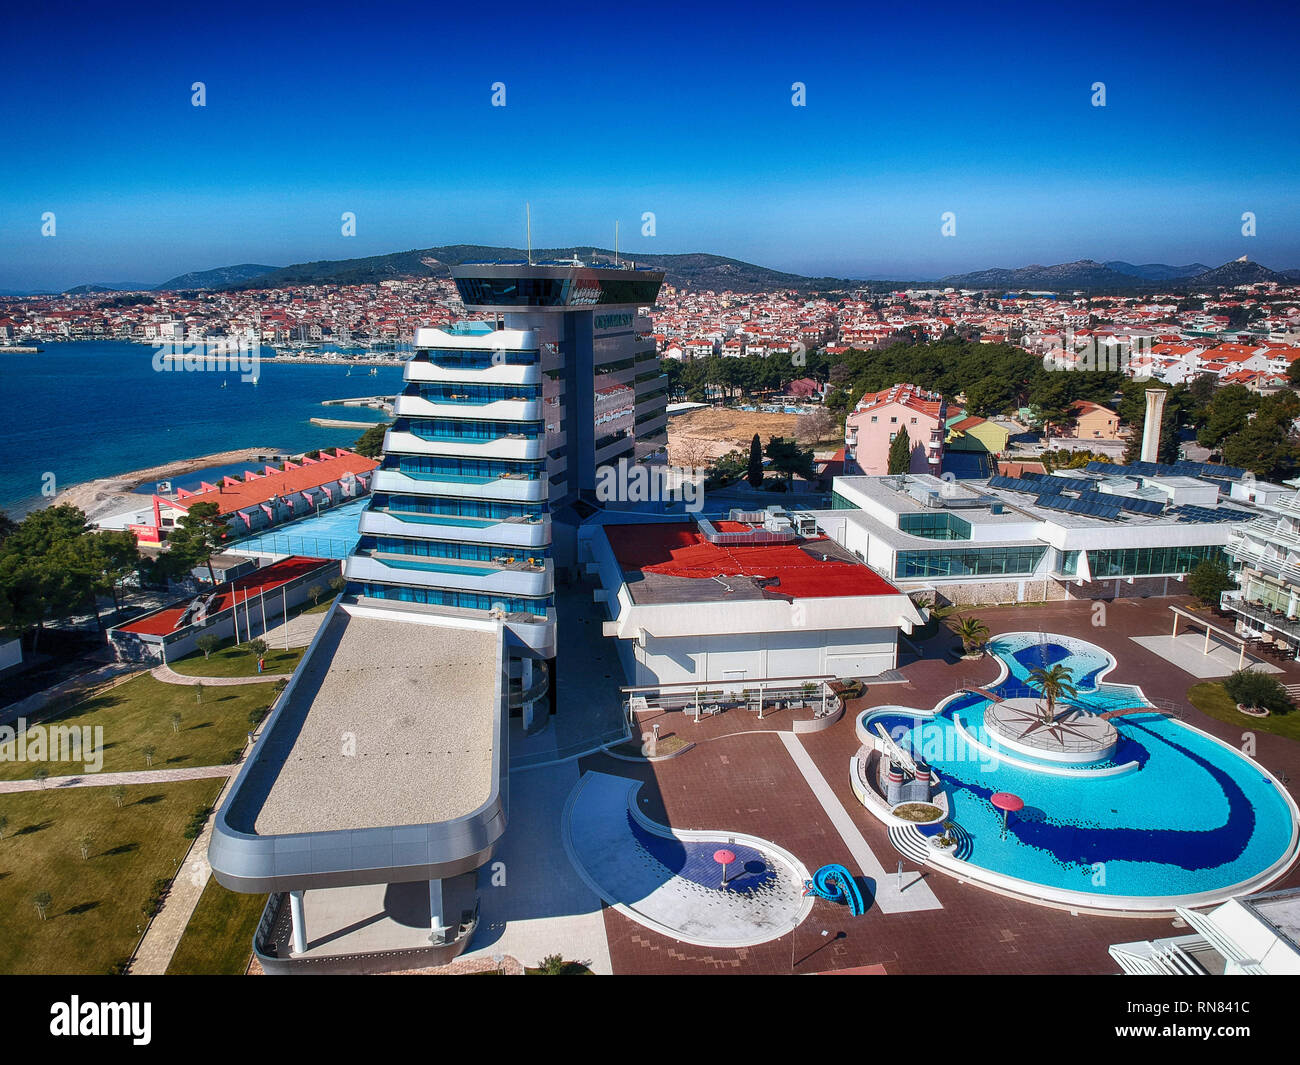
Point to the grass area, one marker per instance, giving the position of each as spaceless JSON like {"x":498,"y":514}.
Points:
{"x":95,"y":914}
{"x":139,"y":714}
{"x":236,"y":660}
{"x":218,"y":940}
{"x":319,"y":608}
{"x":920,"y":812}
{"x":1211,"y":699}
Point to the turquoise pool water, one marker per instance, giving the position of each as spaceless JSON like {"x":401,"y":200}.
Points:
{"x":1192,"y":816}
{"x":332,"y":534}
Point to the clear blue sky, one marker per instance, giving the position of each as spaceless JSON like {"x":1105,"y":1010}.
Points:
{"x":614,"y":109}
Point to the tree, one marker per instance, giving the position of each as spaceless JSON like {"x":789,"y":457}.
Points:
{"x":815,"y":426}
{"x":41,"y":774}
{"x":370,"y":444}
{"x":176,"y":723}
{"x":199,"y":535}
{"x":42,"y":900}
{"x":207,"y":643}
{"x":149,"y":750}
{"x":970,"y":630}
{"x":118,"y":794}
{"x":900,"y":452}
{"x":315,"y":591}
{"x":338,"y":584}
{"x":1208,"y":581}
{"x":1249,"y":687}
{"x":84,"y":842}
{"x":258,"y":646}
{"x":1055,"y":682}
{"x":789,"y":458}
{"x":754,"y":474}
{"x":198,"y":692}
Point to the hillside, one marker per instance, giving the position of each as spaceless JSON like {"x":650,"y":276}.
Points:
{"x":222,"y":275}
{"x":697,"y":270}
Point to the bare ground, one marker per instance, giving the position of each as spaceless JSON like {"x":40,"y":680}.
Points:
{"x":697,"y":437}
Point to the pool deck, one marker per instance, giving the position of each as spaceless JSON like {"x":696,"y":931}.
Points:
{"x":740,"y":776}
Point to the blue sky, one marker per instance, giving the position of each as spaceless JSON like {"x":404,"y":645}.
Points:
{"x":615,"y":109}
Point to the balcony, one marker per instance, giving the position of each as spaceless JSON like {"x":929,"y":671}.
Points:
{"x":1262,"y":614}
{"x":498,"y":374}
{"x":507,"y":488}
{"x":465,"y":405}
{"x":509,"y":576}
{"x":499,"y":447}
{"x":510,"y":532}
{"x":1249,"y":553}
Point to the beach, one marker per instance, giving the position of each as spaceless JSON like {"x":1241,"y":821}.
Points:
{"x":112,"y":495}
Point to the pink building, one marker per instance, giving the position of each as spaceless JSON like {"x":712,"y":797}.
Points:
{"x":878,"y":418}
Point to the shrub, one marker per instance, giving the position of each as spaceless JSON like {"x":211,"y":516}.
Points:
{"x":1250,"y":688}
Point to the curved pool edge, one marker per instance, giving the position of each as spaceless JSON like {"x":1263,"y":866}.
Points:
{"x":682,"y":834}
{"x":1065,"y":898}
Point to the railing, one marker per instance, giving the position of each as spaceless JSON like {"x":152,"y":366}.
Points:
{"x":314,"y":546}
{"x":1288,"y":624}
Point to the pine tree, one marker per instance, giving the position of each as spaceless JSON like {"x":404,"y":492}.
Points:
{"x":755,"y":472}
{"x":900,"y":453}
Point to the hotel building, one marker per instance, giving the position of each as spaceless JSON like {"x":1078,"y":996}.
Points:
{"x":380,"y":783}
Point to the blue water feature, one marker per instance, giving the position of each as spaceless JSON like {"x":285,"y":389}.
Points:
{"x":693,"y":860}
{"x":836,"y":883}
{"x":330,"y":534}
{"x":1191,"y":816}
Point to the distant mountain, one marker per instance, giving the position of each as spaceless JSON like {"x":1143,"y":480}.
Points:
{"x":694,"y":270}
{"x":1156,"y":271}
{"x":109,"y":286}
{"x":1085,"y":274}
{"x":1240,"y":272}
{"x":221,"y":276}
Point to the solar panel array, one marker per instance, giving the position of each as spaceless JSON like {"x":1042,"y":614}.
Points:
{"x":1074,"y":484}
{"x":1091,"y":508}
{"x":1016,"y":484}
{"x":1162,"y":469}
{"x":1189,"y":512}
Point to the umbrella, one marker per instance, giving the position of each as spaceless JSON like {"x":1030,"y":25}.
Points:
{"x":724,"y":858}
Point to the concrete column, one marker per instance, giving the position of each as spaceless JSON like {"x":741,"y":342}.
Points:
{"x":529,"y":710}
{"x":299,"y":922}
{"x":437,"y":919}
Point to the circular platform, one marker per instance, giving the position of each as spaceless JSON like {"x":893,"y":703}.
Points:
{"x":1073,"y":736}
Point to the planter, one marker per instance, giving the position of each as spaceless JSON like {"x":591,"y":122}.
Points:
{"x":1253,"y":711}
{"x":926,"y":816}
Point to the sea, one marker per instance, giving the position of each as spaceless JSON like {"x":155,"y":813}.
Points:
{"x":78,"y":411}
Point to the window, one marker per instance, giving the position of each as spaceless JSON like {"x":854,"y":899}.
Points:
{"x":968,"y":562}
{"x":913,"y":421}
{"x":874,"y":419}
{"x":893,"y":421}
{"x":1146,"y":561}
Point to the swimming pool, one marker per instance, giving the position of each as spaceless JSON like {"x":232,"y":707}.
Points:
{"x":330,"y":534}
{"x":1172,"y":813}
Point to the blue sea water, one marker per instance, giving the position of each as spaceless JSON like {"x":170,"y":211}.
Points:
{"x":1192,"y":816}
{"x":98,"y":408}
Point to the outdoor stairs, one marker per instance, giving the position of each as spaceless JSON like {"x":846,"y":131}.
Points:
{"x":1293,"y":691}
{"x":910,"y":843}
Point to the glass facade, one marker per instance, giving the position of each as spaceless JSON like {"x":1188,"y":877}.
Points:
{"x":438,"y":467}
{"x":400,"y":545}
{"x":1067,"y":562}
{"x":941,"y":526}
{"x":445,"y":597}
{"x":1149,"y":561}
{"x":460,"y":508}
{"x":456,"y":429}
{"x":462,"y":393}
{"x":968,"y":562}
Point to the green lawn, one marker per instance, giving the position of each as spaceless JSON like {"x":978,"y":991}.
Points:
{"x":218,"y":939}
{"x":232,"y":660}
{"x":1211,"y":699}
{"x":95,"y":916}
{"x":139,"y":713}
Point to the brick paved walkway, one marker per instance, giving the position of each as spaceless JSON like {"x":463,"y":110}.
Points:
{"x":748,"y":782}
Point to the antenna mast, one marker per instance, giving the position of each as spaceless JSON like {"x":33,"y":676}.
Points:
{"x":616,"y":242}
{"x":528,"y":215}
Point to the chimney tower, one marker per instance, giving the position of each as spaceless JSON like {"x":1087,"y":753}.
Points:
{"x":1151,"y":427}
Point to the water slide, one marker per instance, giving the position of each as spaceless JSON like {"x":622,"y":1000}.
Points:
{"x":835,"y":883}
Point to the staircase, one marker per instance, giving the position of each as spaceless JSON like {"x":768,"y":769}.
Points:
{"x":910,"y":843}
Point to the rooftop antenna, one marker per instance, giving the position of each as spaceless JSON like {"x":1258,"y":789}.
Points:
{"x":528,"y":215}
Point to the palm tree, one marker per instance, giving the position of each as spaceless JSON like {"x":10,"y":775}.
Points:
{"x":1055,"y":682}
{"x":971,"y":631}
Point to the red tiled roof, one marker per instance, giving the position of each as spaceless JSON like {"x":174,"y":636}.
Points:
{"x":250,"y":586}
{"x":678,"y":550}
{"x":249,"y":493}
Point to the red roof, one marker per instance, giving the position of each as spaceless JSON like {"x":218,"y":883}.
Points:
{"x":679,"y":550}
{"x":250,"y":586}
{"x":239,"y":495}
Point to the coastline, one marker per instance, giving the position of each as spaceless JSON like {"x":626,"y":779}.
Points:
{"x":108,"y":495}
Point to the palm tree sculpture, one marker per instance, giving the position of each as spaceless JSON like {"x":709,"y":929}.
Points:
{"x":1055,"y":682}
{"x":971,"y":632}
